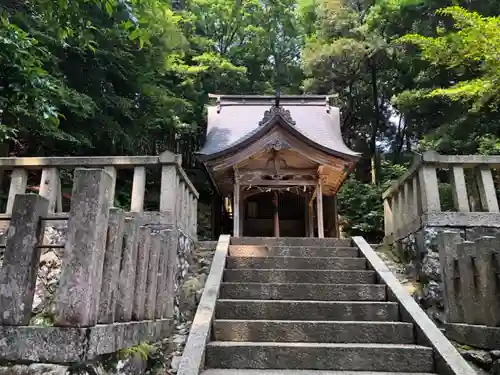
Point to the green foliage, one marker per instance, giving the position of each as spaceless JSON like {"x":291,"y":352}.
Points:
{"x":143,"y":350}
{"x":473,"y":45}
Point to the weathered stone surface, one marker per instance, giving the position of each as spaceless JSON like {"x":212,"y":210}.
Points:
{"x":81,"y":275}
{"x":299,"y":276}
{"x":431,"y":268}
{"x":141,"y":276}
{"x":482,"y":337}
{"x":126,"y":283}
{"x":344,"y":357}
{"x":306,"y":310}
{"x":21,"y":259}
{"x":152,"y":277}
{"x":478,"y":357}
{"x":35,"y":369}
{"x":111,"y":268}
{"x":42,"y":344}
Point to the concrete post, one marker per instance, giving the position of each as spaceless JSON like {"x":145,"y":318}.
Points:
{"x":448,"y":255}
{"x":467,"y":265}
{"x":138,"y":189}
{"x":487,"y":264}
{"x":18,"y":181}
{"x":459,"y":189}
{"x":152,"y":278}
{"x":128,"y":269}
{"x":487,"y":192}
{"x":388,"y":217}
{"x":112,"y":172}
{"x":21,"y":260}
{"x":77,"y":301}
{"x":168,"y":194}
{"x":49,"y":185}
{"x":141,"y":276}
{"x":111,"y":268}
{"x":429,"y":189}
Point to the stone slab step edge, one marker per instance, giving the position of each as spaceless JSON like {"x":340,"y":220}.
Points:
{"x":314,"y":331}
{"x":302,"y":291}
{"x":258,"y":251}
{"x":299,"y":276}
{"x":270,"y":355}
{"x":292,"y":241}
{"x":292,"y":262}
{"x":302,"y":372}
{"x":306,"y":310}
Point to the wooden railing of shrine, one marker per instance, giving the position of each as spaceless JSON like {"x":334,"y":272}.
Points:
{"x":415,"y":201}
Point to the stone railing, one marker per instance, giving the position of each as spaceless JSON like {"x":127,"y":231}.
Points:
{"x":471,"y":276}
{"x":178,"y":197}
{"x":414,"y":202}
{"x":117,"y":280}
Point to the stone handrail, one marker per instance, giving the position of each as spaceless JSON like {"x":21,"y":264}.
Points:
{"x":178,"y":196}
{"x":414,"y":199}
{"x":116,"y":286}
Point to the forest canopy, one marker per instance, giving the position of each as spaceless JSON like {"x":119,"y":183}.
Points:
{"x":94,"y":77}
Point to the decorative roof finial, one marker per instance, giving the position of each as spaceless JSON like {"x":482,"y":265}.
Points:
{"x":327,"y":104}
{"x":277,"y":100}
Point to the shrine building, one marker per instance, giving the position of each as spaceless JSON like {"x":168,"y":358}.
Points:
{"x":278,"y":163}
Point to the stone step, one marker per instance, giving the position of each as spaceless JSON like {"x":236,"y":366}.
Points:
{"x":299,"y":276}
{"x":329,"y":263}
{"x":306,"y":310}
{"x":291,"y":241}
{"x":316,"y":292}
{"x":314,"y":331}
{"x":301,"y":372}
{"x":324,"y":356}
{"x":298,"y":251}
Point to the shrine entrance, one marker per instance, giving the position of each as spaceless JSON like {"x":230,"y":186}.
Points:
{"x":260,"y":210}
{"x":278,"y":163}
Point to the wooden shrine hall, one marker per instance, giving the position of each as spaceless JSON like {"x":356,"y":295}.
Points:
{"x":278,"y":163}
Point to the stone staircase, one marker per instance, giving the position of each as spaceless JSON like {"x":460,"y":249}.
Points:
{"x":308,"y":306}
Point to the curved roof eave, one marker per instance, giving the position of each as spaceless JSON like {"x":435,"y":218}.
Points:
{"x":280,"y":121}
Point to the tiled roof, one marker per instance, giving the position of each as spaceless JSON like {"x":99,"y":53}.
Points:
{"x":236,"y":119}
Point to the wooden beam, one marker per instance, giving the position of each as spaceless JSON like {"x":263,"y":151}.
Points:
{"x":261,"y":182}
{"x":283,"y":171}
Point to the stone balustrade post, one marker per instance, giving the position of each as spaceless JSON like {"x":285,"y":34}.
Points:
{"x":128,"y":268}
{"x":138,"y":189}
{"x":487,"y":264}
{"x":459,"y":189}
{"x":429,"y":189}
{"x":49,"y":186}
{"x":141,"y":278}
{"x":78,"y":294}
{"x":388,"y":217}
{"x":468,"y":274}
{"x":486,"y":186}
{"x":18,"y":182}
{"x":111,"y":268}
{"x":111,"y":170}
{"x":450,"y":273}
{"x":21,"y":260}
{"x":152,"y":276}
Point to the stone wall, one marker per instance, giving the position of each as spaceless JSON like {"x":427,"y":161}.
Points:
{"x":420,"y":254}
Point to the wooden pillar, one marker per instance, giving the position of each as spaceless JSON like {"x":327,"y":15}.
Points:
{"x":276,"y":215}
{"x":236,"y":209}
{"x":319,"y":201}
{"x":336,"y":216}
{"x":310,"y":212}
{"x":306,"y":217}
